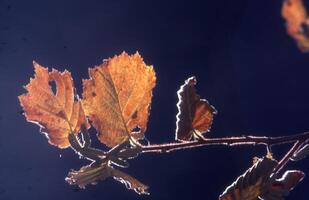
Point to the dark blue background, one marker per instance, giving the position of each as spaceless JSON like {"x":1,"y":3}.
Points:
{"x":245,"y":63}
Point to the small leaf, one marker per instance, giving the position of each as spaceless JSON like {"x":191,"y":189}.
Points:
{"x":57,"y":114}
{"x":251,"y":184}
{"x":297,"y":22}
{"x":280,"y":188}
{"x":130,"y":182}
{"x":117,"y":97}
{"x":301,"y":154}
{"x":195,"y":115}
{"x":91,"y":174}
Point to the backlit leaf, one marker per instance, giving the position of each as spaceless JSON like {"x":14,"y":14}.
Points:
{"x":57,"y":114}
{"x":195,"y":115}
{"x":91,"y":174}
{"x":251,"y":184}
{"x":297,"y":22}
{"x":117,"y":97}
{"x":130,"y":182}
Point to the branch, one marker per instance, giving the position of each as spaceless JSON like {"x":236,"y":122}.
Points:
{"x":229,"y":141}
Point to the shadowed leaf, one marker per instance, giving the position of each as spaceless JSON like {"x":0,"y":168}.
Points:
{"x":89,"y":174}
{"x":280,"y":188}
{"x":92,"y":174}
{"x":297,"y":22}
{"x":57,"y":114}
{"x":130,"y":182}
{"x":195,"y":115}
{"x":251,"y":184}
{"x":117,"y":97}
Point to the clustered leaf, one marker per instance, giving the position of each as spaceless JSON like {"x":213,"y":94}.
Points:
{"x":116,"y":99}
{"x":297,"y":22}
{"x":195,"y":115}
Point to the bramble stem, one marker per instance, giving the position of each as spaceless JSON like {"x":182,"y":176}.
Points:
{"x":230,"y":141}
{"x":83,"y":148}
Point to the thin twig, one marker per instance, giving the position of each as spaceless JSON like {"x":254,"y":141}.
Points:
{"x":287,"y":156}
{"x":230,"y":141}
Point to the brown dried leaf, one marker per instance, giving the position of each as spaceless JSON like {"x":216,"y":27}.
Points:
{"x":130,"y":182}
{"x":57,"y":114}
{"x":117,"y":97}
{"x":294,"y":12}
{"x":91,"y":174}
{"x":280,"y":188}
{"x":251,"y":184}
{"x":195,"y":115}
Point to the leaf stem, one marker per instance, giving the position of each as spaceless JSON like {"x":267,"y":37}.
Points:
{"x":288,"y":155}
{"x":85,"y":150}
{"x":229,"y":141}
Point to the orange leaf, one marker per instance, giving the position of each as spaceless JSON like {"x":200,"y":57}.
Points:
{"x":117,"y":97}
{"x":294,"y":12}
{"x":57,"y":114}
{"x":195,"y":115}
